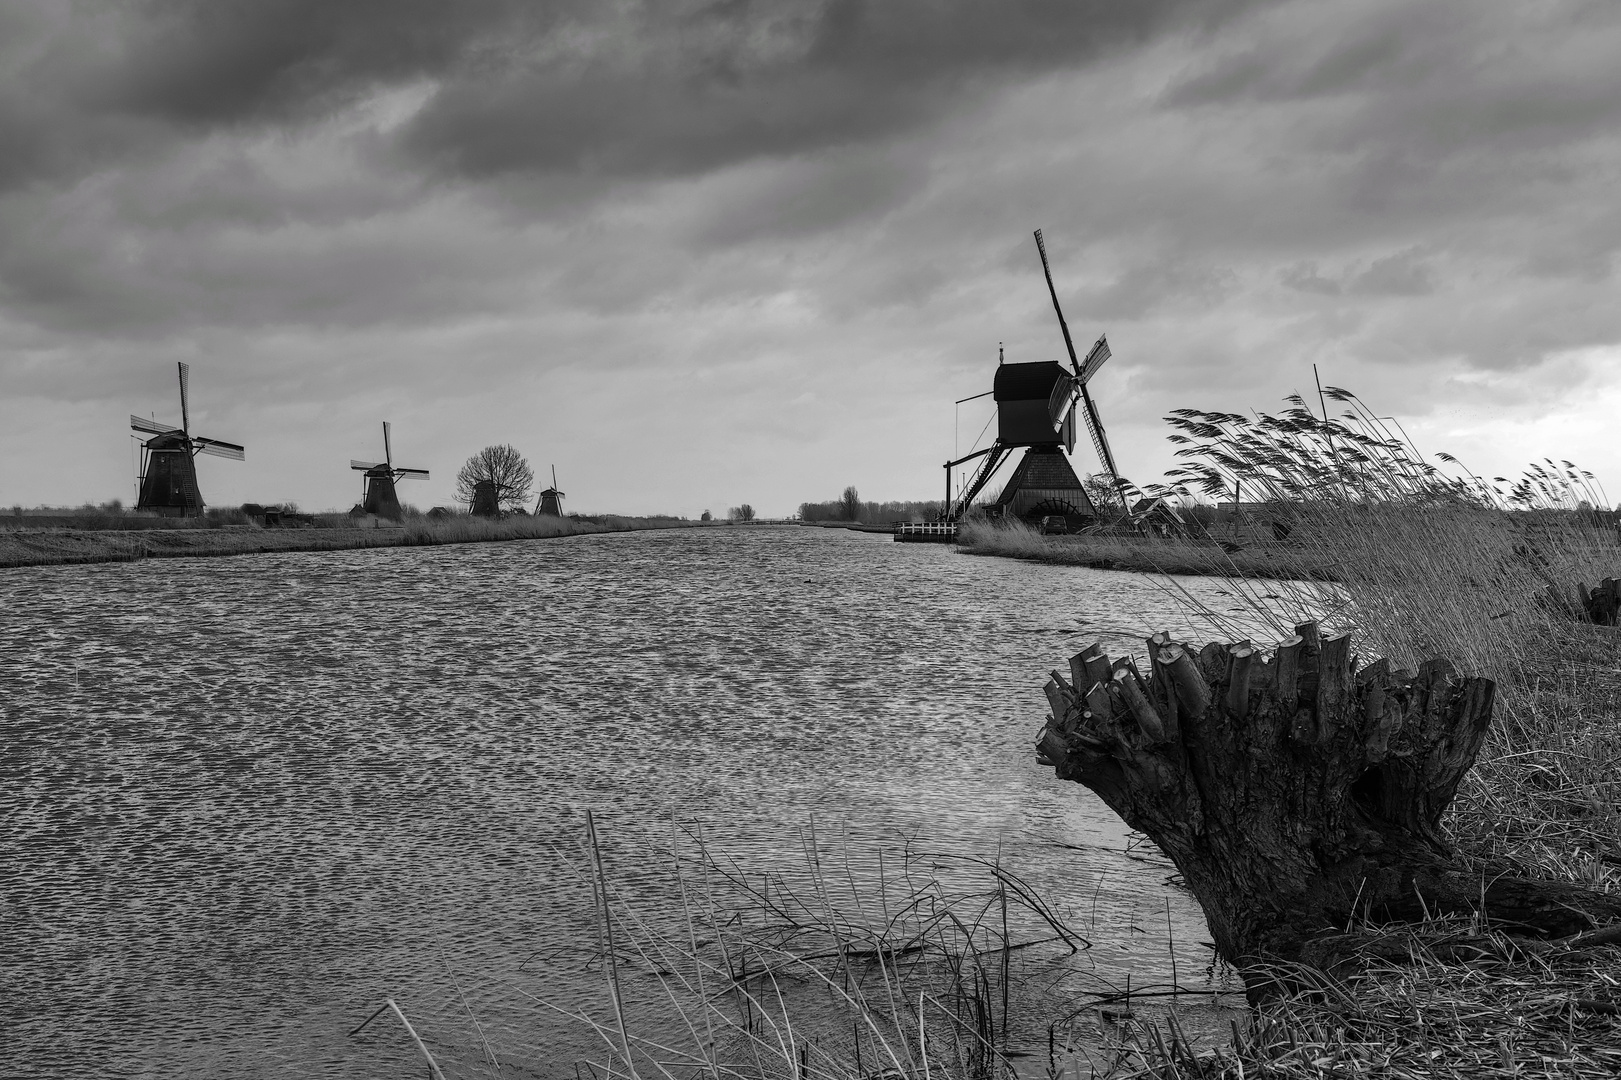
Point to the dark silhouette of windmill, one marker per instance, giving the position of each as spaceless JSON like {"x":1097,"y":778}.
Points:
{"x":168,"y":471}
{"x":1035,"y":409}
{"x":551,"y":500}
{"x":380,"y":498}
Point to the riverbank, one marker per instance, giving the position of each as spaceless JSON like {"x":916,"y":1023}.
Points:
{"x":20,"y":547}
{"x":1141,"y":554}
{"x":1456,"y":996}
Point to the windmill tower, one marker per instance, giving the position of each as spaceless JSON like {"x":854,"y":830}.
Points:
{"x":1035,"y":409}
{"x":168,"y":472}
{"x":379,"y":497}
{"x":485,"y":500}
{"x":551,"y":500}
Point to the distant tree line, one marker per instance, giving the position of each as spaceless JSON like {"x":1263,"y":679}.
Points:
{"x":850,"y":507}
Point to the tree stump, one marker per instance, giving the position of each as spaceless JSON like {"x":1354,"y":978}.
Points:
{"x":1603,"y":603}
{"x":1295,"y":793}
{"x":1600,"y":605}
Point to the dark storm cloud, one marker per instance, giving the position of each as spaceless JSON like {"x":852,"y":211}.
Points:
{"x":651,"y":87}
{"x":672,"y":89}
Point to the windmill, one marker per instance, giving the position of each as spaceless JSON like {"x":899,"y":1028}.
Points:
{"x":380,"y":476}
{"x":1035,"y":408}
{"x":168,"y":473}
{"x":551,"y":500}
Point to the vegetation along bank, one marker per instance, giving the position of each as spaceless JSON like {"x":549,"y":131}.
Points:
{"x":112,"y":537}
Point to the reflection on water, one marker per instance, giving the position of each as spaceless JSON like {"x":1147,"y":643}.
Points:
{"x":247,"y":799}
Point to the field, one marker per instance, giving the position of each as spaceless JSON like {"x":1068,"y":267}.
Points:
{"x":109,"y":536}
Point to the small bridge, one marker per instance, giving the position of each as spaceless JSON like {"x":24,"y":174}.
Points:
{"x":926,"y":532}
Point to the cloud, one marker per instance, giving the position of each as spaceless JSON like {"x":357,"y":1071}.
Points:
{"x":1406,"y":273}
{"x":770,"y":242}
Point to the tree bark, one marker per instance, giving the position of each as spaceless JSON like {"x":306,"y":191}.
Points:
{"x":1295,"y":793}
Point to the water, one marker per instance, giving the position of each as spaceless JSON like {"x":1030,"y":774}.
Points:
{"x":245,"y":800}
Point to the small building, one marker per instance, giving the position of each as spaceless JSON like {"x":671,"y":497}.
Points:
{"x":1158,"y":516}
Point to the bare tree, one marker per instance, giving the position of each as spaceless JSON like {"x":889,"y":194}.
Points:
{"x":502,"y":466}
{"x":741,"y":513}
{"x":850,"y":504}
{"x":1101,"y":490}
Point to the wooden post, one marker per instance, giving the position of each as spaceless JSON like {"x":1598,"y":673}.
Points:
{"x":1295,"y":792}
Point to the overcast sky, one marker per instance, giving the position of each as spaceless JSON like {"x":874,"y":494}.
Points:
{"x":697,"y":254}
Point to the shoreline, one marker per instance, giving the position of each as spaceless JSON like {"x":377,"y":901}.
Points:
{"x":24,"y":548}
{"x":1141,"y":555}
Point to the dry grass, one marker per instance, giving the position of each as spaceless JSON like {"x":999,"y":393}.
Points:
{"x":1449,"y":1001}
{"x":1417,"y":565}
{"x":1428,"y":566}
{"x":59,"y":546}
{"x":1141,"y":554}
{"x":851,"y":966}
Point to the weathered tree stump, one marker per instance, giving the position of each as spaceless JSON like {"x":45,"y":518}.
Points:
{"x":1295,"y":793}
{"x":1603,"y":603}
{"x":1600,"y":605}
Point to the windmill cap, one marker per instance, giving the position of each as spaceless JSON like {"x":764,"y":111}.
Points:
{"x":1027,"y":382}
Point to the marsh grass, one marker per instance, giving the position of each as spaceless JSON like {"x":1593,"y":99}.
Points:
{"x":1449,"y":1000}
{"x":1483,"y":573}
{"x":21,"y":546}
{"x":851,"y":964}
{"x":1141,"y":554}
{"x":1418,"y":563}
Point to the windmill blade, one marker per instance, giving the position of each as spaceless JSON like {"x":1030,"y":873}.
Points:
{"x":1041,"y":246}
{"x":1061,"y":399}
{"x":411,"y":474}
{"x":185,"y":394}
{"x":365,"y":466}
{"x":220,"y":449}
{"x":151,"y":427}
{"x":388,"y":452}
{"x":1100,"y":440}
{"x":1095,"y":359}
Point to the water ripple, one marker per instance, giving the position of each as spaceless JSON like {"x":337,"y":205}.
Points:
{"x":245,"y":799}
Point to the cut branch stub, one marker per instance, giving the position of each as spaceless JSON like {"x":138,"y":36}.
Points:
{"x":1603,"y":602}
{"x":1293,"y":792}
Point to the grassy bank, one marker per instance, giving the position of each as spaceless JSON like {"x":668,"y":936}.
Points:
{"x":1142,"y":554}
{"x":103,"y":542}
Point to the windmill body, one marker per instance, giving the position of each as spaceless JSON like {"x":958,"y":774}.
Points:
{"x":1037,"y":406}
{"x":485,"y":503}
{"x":168,"y":460}
{"x":551,"y":500}
{"x":380,"y":498}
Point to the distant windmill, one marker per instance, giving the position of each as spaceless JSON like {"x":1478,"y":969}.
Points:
{"x":1035,"y":406}
{"x":551,"y":500}
{"x":380,"y":498}
{"x":168,"y":473}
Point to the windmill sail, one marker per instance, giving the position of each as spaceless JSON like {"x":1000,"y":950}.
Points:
{"x":219,"y":448}
{"x":1100,"y":441}
{"x":1096,"y":358}
{"x":1083,"y":371}
{"x":185,"y":409}
{"x":150,"y":427}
